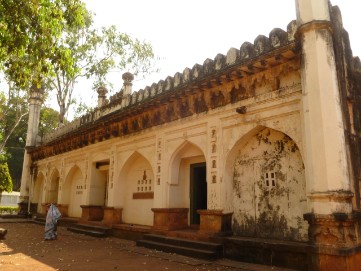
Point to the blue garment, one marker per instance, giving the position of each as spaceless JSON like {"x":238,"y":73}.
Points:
{"x":52,"y":218}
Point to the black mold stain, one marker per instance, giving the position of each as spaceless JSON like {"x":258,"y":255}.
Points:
{"x":267,"y":219}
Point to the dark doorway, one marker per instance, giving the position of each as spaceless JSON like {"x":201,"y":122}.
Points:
{"x":198,"y":191}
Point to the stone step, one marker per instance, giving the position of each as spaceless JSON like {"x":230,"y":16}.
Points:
{"x":39,"y":220}
{"x":91,"y":230}
{"x":192,"y":248}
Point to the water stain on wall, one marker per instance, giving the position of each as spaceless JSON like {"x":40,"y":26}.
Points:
{"x":269,"y":188}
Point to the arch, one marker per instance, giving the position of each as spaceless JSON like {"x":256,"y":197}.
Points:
{"x":72,"y":191}
{"x":186,"y":149}
{"x":52,"y":190}
{"x":187,"y":180}
{"x":134,"y":190}
{"x":38,"y":188}
{"x":264,"y":174}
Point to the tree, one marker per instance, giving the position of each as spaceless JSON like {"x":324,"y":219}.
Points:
{"x":28,"y":33}
{"x":13,"y":126}
{"x":15,"y":145}
{"x":6,"y":183}
{"x":13,"y":109}
{"x":48,"y":120}
{"x":93,"y":53}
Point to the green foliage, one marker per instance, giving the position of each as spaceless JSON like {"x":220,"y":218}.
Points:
{"x":48,"y":120}
{"x":92,"y":54}
{"x":6,"y":183}
{"x":81,"y":109}
{"x":28,"y":33}
{"x":51,"y":43}
{"x":13,"y":114}
{"x":13,"y":128}
{"x":15,"y":145}
{"x":9,"y":210}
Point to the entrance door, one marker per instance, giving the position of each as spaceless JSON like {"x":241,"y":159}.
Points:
{"x":198,"y":191}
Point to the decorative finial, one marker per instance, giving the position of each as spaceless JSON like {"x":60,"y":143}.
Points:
{"x":102,"y":94}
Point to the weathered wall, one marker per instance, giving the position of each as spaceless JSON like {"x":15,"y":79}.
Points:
{"x":349,"y":82}
{"x":269,"y":188}
{"x":204,"y":114}
{"x":167,"y":151}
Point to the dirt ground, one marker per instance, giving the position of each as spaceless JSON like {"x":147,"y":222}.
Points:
{"x":24,"y":249}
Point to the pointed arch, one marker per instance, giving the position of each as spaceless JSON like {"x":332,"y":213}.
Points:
{"x":38,"y":191}
{"x":188,"y":150}
{"x":134,"y":190}
{"x":264,"y":174}
{"x":187,"y":180}
{"x":52,"y":189}
{"x":73,"y":191}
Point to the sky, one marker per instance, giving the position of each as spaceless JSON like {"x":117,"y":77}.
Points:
{"x":187,"y":32}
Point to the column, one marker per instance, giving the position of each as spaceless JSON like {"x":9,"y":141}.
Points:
{"x":327,"y":173}
{"x":332,"y":225}
{"x":35,"y":101}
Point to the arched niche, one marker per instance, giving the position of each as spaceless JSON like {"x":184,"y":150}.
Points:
{"x":265,"y":181}
{"x":73,"y":192}
{"x":52,"y":190}
{"x":38,"y":191}
{"x":134,"y":190}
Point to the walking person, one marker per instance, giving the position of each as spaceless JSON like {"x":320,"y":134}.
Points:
{"x":51,"y":222}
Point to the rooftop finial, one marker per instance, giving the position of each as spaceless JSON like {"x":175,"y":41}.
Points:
{"x":102,"y":93}
{"x":128,"y":78}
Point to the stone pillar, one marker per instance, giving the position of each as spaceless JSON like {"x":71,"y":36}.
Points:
{"x":167,"y":219}
{"x":332,"y":226}
{"x":91,"y":213}
{"x":102,"y":95}
{"x":112,"y":215}
{"x":35,"y":101}
{"x":128,"y":78}
{"x":326,"y":161}
{"x":215,"y":223}
{"x":127,"y":89}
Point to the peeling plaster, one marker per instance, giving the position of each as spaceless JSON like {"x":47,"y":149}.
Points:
{"x":269,"y":188}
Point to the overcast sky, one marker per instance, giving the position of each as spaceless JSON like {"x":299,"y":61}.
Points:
{"x":186,"y":32}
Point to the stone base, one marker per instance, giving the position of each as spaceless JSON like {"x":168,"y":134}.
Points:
{"x":293,"y":255}
{"x":339,"y":262}
{"x":44,"y":208}
{"x":215,"y":223}
{"x":112,"y":215}
{"x":166,"y":219}
{"x":3,"y":233}
{"x":336,"y":238}
{"x":92,"y":213}
{"x":63,"y":208}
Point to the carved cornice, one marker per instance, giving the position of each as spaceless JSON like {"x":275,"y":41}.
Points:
{"x":224,"y":80}
{"x":188,"y":101}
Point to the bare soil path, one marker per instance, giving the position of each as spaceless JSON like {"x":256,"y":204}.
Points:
{"x":24,"y":249}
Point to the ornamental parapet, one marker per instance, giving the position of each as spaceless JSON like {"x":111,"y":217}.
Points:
{"x":262,"y":45}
